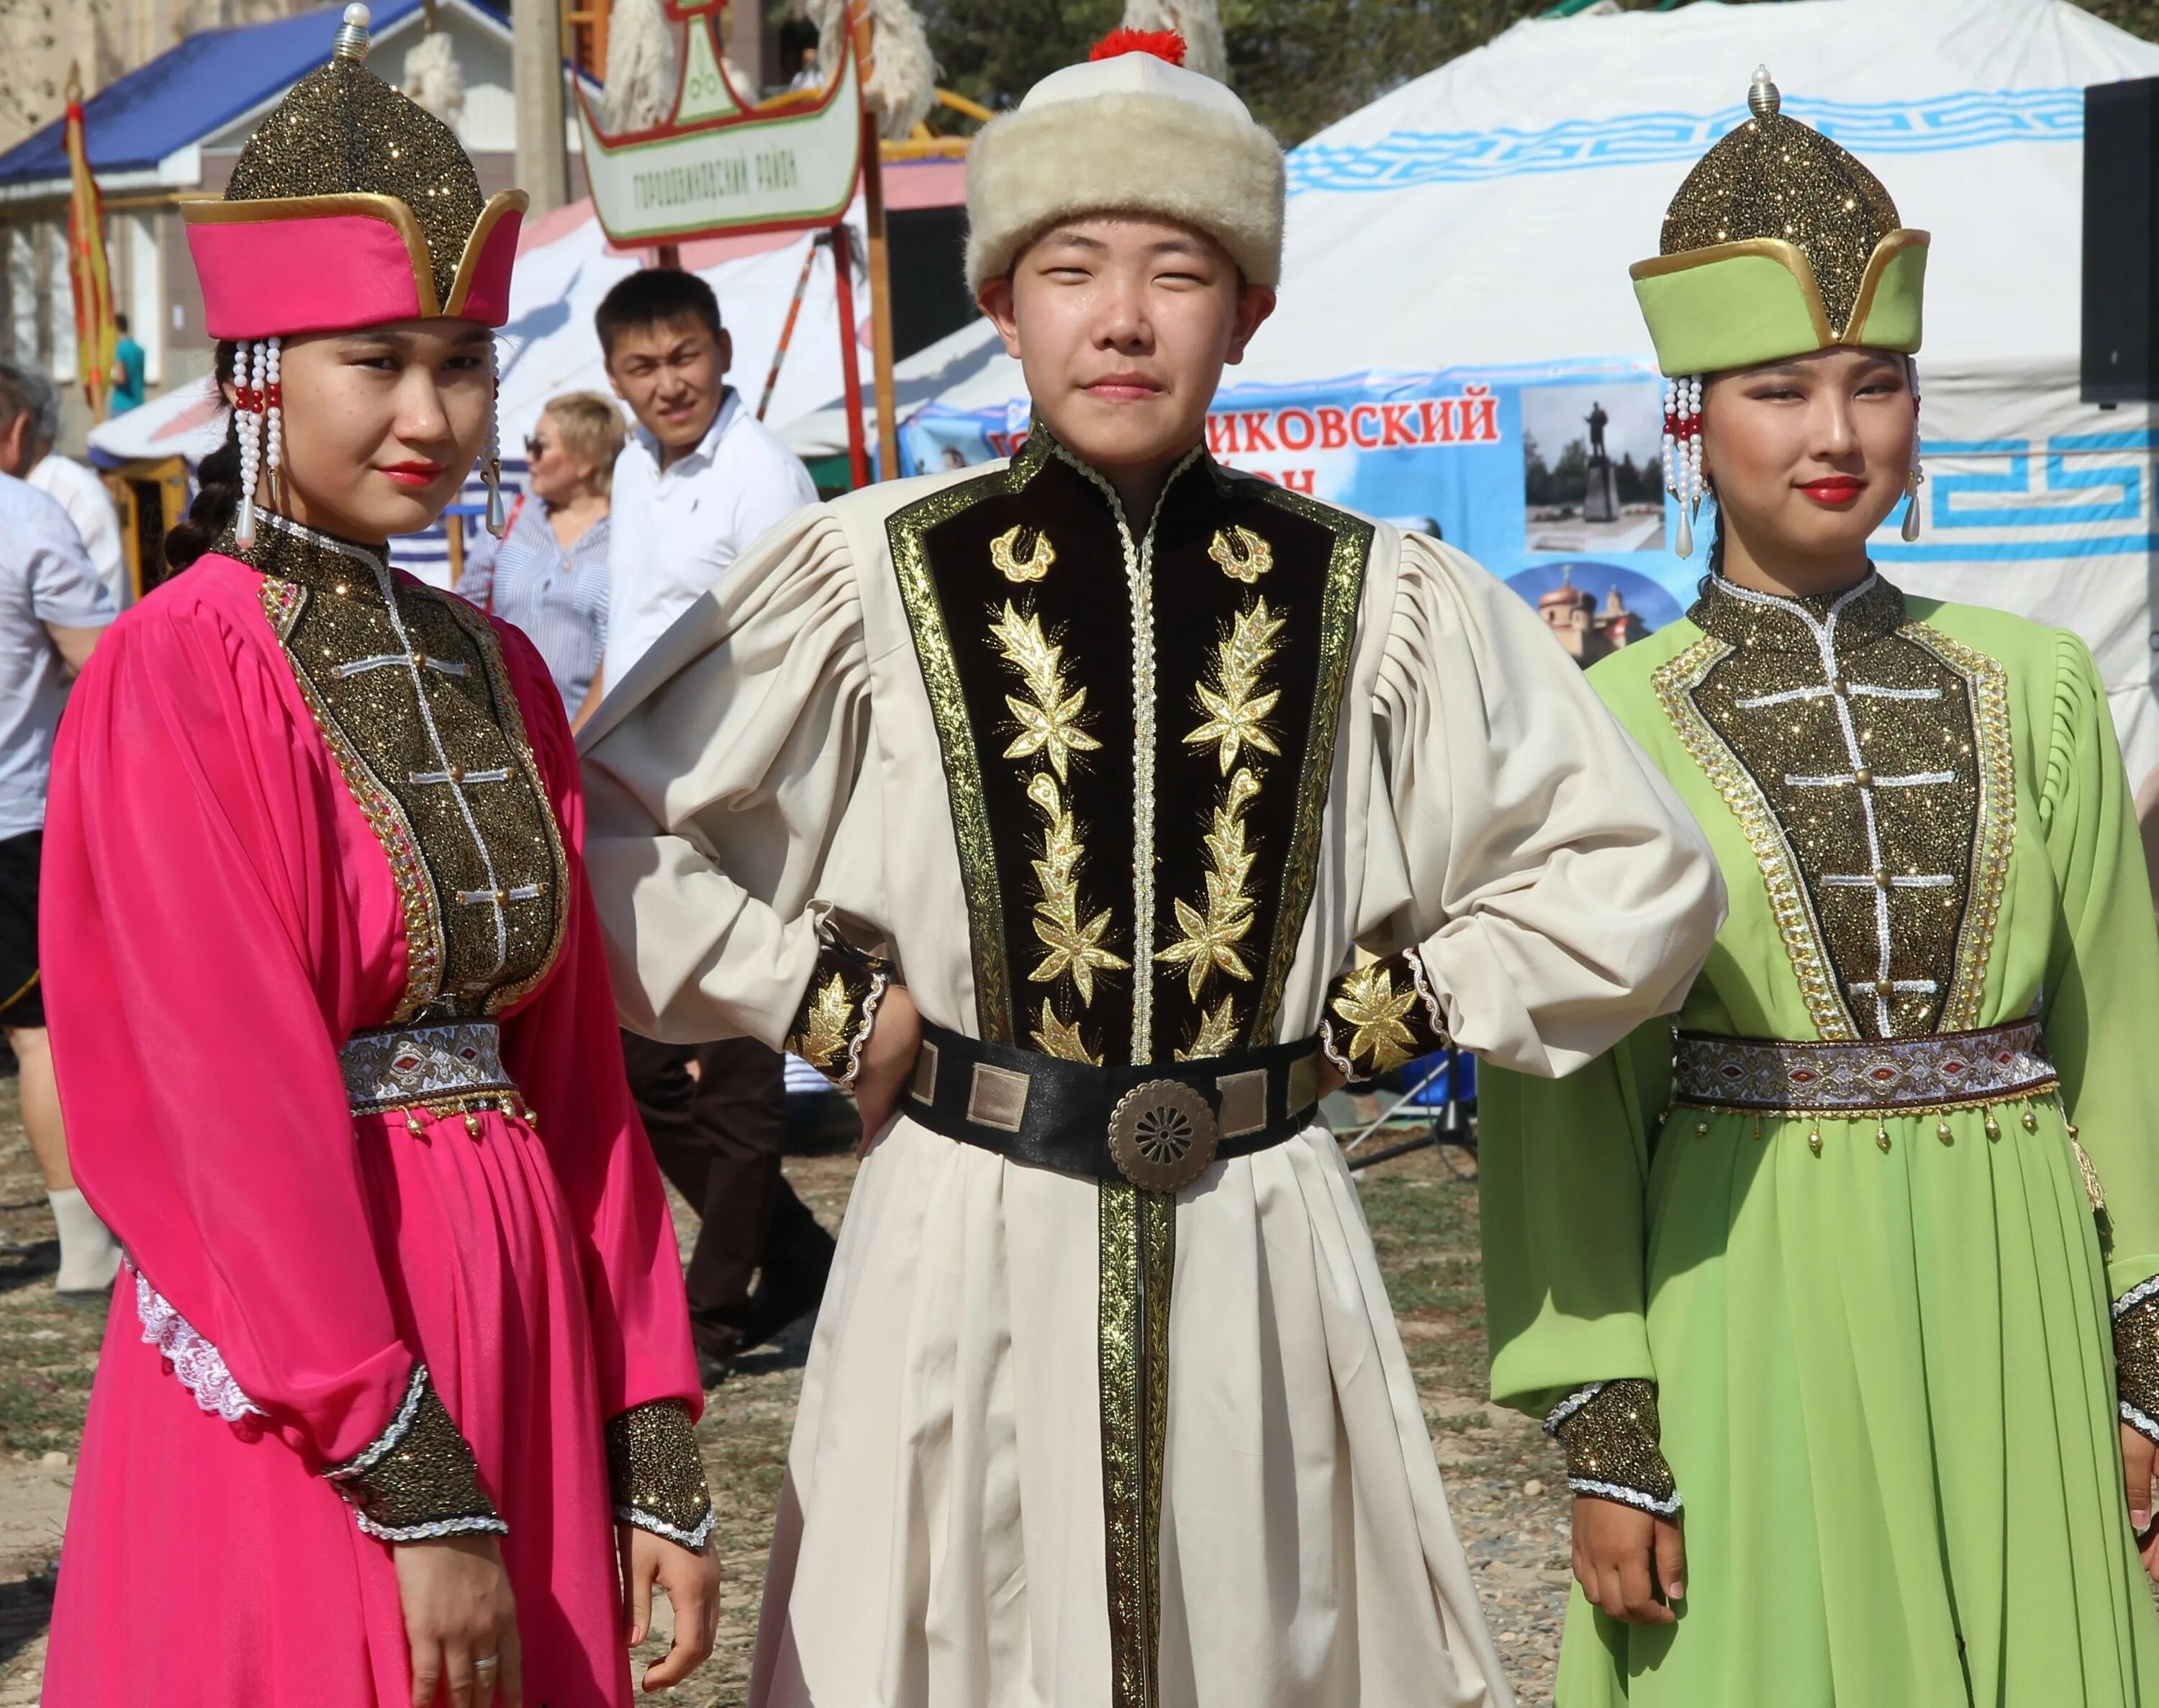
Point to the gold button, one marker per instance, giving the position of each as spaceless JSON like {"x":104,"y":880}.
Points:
{"x":457,"y":773}
{"x":1881,"y":880}
{"x":1864,"y":778}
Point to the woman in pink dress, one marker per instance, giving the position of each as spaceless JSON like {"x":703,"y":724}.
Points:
{"x":397,"y":1397}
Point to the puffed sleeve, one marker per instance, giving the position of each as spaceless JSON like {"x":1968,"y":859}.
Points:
{"x":192,"y":923}
{"x":563,"y":1050}
{"x":1524,"y":860}
{"x":2102,"y":989}
{"x":716,"y":801}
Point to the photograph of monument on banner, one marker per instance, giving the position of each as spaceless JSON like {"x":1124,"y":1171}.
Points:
{"x":1592,"y":473}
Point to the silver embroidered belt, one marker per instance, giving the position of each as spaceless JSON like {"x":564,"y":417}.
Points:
{"x":1939,"y":1071}
{"x":445,"y":1061}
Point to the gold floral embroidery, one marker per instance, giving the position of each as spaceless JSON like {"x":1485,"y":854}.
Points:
{"x":1241,"y":554}
{"x":1057,"y":1036}
{"x":825,"y":1025}
{"x":1005,"y":554}
{"x":1209,"y":941}
{"x":1217,"y":1035}
{"x":1048,"y":717}
{"x":1074,"y":945}
{"x":1236,"y":710}
{"x":1378,"y":1015}
{"x":1051,"y":729}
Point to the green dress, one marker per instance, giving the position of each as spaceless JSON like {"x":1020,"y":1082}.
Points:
{"x":1881,"y":1342}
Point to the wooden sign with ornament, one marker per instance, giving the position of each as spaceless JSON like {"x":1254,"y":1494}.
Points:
{"x":721,"y":166}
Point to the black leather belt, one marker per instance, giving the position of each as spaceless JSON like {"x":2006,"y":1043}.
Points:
{"x":1157,"y":1126}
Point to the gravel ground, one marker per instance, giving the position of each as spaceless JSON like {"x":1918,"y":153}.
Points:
{"x":1502,"y":1476}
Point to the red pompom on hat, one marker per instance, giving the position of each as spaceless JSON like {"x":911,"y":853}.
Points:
{"x":1162,"y":43}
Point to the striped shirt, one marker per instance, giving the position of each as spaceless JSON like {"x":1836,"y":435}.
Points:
{"x":558,"y":598}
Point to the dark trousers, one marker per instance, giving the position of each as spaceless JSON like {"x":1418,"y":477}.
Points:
{"x":719,"y":1135}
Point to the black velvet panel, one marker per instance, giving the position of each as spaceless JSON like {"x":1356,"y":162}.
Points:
{"x":1197,"y":601}
{"x":962,"y":568}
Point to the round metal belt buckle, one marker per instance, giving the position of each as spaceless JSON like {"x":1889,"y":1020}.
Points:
{"x":1162,"y":1136}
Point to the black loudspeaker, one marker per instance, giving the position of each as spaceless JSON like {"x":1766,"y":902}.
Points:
{"x":930,"y":295}
{"x":2121,"y":241}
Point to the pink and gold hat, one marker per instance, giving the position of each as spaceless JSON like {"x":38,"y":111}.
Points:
{"x":351,"y":206}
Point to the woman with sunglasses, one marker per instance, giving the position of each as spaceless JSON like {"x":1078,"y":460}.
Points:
{"x":548,"y":574}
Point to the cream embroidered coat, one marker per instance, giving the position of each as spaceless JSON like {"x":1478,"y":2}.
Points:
{"x":962,"y":1526}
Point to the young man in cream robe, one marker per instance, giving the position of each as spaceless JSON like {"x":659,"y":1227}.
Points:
{"x":1048,"y":805}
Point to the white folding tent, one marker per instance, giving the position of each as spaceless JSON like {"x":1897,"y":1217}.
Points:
{"x":1468,"y":237}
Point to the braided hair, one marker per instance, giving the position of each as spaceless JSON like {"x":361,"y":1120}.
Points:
{"x":217,"y":486}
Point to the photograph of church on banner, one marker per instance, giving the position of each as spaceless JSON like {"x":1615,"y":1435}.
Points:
{"x":1551,"y":479}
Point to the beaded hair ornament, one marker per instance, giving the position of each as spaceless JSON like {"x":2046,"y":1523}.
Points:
{"x":1778,"y":244}
{"x":351,"y":206}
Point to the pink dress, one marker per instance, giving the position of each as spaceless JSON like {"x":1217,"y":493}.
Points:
{"x":220,"y":915}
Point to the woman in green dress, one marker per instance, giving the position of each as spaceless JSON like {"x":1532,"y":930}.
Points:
{"x":1841,"y":1301}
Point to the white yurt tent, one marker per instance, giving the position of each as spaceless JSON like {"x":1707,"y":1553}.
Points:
{"x":1456,"y":309}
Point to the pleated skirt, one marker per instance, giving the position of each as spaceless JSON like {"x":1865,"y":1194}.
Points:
{"x":940,"y":1542}
{"x":1886,"y":1384}
{"x":207,"y":1565}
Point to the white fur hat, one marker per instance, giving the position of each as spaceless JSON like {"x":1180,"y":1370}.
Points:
{"x":1130,"y":132}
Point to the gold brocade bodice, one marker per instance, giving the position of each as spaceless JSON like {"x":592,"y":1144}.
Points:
{"x":1867,"y":760}
{"x":411,"y":692}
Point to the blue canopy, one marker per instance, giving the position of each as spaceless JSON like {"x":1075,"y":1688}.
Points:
{"x":192,"y":90}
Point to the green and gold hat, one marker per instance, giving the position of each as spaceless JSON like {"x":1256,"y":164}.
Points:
{"x":1778,"y":244}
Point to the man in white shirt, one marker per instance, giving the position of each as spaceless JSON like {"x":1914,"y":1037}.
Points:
{"x":53,"y":608}
{"x":26,"y":452}
{"x":700,"y":479}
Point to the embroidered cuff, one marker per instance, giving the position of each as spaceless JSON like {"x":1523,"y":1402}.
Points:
{"x":2137,"y":1357}
{"x":658,"y":1479}
{"x":839,"y":1008}
{"x":1609,"y":1430}
{"x":1380,"y":1016}
{"x":418,"y":1479}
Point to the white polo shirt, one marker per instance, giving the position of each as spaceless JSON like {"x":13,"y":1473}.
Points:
{"x":676,"y":532}
{"x":89,"y":506}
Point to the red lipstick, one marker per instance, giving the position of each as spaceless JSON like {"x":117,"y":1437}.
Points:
{"x":1835,"y":490}
{"x":414,"y":474}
